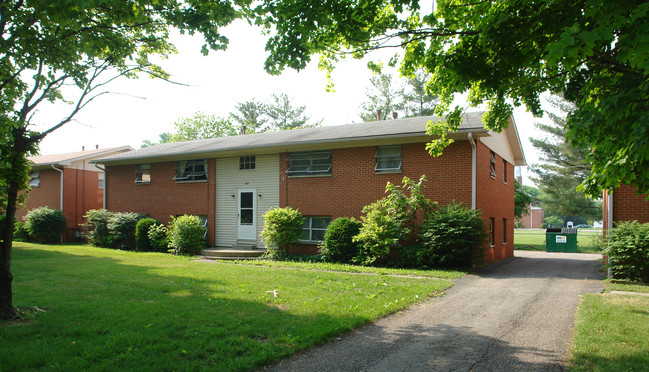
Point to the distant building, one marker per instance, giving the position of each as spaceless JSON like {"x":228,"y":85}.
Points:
{"x":533,"y":219}
{"x":69,"y":183}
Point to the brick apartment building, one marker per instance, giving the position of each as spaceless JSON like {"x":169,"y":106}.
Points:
{"x":623,"y":204}
{"x":533,"y":219}
{"x":325,"y":172}
{"x":67,"y":182}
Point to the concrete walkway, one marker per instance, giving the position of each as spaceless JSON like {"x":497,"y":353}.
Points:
{"x":516,"y":315}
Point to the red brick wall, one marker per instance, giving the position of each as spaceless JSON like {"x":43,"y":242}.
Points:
{"x":496,"y":199}
{"x":48,"y":193}
{"x":354,"y":183}
{"x":533,"y":219}
{"x":163,"y":197}
{"x":628,"y":206}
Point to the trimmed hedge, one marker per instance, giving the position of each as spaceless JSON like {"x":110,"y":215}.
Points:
{"x":186,"y":235}
{"x":121,"y":226}
{"x":282,"y":227}
{"x":142,"y":241}
{"x":338,"y":245}
{"x":627,"y":248}
{"x":96,"y":228}
{"x":45,"y":225}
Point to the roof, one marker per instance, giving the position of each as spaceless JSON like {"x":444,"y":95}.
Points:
{"x":296,"y":140}
{"x":68,"y":158}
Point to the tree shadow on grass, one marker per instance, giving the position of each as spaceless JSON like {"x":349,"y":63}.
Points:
{"x":107,"y":313}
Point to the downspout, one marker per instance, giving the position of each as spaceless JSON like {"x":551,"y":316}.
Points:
{"x":474,"y":170}
{"x":61,"y":171}
{"x":104,"y":193}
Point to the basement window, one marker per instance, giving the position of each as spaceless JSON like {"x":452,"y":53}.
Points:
{"x":143,"y":174}
{"x":309,"y":163}
{"x":191,"y":170}
{"x":313,"y":229}
{"x":388,"y":159}
{"x":35,"y":179}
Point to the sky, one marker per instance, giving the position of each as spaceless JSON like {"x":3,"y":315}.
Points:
{"x":141,"y":109}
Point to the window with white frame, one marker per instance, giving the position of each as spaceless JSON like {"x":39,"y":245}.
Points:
{"x":309,"y":163}
{"x":247,"y":162}
{"x":143,"y":174}
{"x":313,"y":229}
{"x":388,"y":159}
{"x":35,"y":179}
{"x":203,"y":224}
{"x":492,"y":164}
{"x":100,"y":180}
{"x":191,"y":170}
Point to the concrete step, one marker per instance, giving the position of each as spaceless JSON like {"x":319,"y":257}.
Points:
{"x":232,"y":253}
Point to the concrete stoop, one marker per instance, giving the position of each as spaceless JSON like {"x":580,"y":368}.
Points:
{"x":237,"y":252}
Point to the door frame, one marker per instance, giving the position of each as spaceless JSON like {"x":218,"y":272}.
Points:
{"x":247,"y":232}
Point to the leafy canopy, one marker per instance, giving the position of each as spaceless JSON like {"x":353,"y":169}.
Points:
{"x":504,"y":54}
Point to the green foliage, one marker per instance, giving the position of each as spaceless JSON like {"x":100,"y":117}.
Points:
{"x":283,"y":116}
{"x":452,"y":237}
{"x":96,"y":227}
{"x":45,"y":225}
{"x":282,"y":227}
{"x":391,"y":221}
{"x":142,"y":242}
{"x":627,"y":248}
{"x":186,"y":235}
{"x":338,"y":245}
{"x":158,"y":238}
{"x":552,"y":221}
{"x":251,"y":114}
{"x":504,"y":54}
{"x":522,"y":200}
{"x":121,"y":227}
{"x":384,"y":94}
{"x":21,"y":233}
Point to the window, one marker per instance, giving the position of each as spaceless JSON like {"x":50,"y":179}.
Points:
{"x":204,"y":224}
{"x":314,"y":228}
{"x":191,"y":170}
{"x":492,"y":164}
{"x":504,"y":231}
{"x":143,"y":174}
{"x":100,"y":180}
{"x":492,"y":227}
{"x":309,"y":163}
{"x":388,"y":159}
{"x":504,"y":171}
{"x":247,"y":162}
{"x":35,"y":179}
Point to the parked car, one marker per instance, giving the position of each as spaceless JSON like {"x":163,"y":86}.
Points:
{"x":584,"y":226}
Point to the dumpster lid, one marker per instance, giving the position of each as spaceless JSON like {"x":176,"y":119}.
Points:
{"x":553,"y":230}
{"x":570,"y":230}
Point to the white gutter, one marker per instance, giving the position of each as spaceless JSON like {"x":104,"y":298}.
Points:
{"x":61,"y":171}
{"x":474,"y":170}
{"x":104,"y":193}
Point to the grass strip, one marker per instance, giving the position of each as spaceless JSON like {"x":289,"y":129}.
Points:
{"x":99,"y":309}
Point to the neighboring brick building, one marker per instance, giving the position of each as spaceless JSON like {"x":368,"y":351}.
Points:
{"x":533,"y":219}
{"x":325,"y":172}
{"x":67,"y":182}
{"x":623,"y":204}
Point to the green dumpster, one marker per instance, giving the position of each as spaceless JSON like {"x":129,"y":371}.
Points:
{"x":561,"y":240}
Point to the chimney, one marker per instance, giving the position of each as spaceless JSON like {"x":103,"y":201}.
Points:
{"x":96,"y":147}
{"x":243,"y":130}
{"x":83,"y":148}
{"x":394,"y":115}
{"x":378,"y":115}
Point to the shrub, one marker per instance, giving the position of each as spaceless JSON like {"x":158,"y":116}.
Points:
{"x":186,"y":235}
{"x":121,"y":227}
{"x":21,"y":233}
{"x":45,"y":225}
{"x":627,"y":248}
{"x":452,"y":236}
{"x":142,"y":242}
{"x":338,"y":245}
{"x":391,"y":221}
{"x":96,"y":228}
{"x":282,"y":227}
{"x":158,"y":238}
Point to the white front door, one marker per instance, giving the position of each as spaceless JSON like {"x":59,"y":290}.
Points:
{"x":247,"y":216}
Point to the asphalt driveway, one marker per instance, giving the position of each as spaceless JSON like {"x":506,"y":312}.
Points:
{"x":516,"y":315}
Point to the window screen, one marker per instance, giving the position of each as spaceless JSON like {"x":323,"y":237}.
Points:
{"x":309,"y":163}
{"x":388,"y":158}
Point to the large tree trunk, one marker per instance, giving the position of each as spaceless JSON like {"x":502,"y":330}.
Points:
{"x":6,"y":297}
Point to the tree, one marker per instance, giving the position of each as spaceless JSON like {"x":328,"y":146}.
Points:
{"x":283,"y":116}
{"x":251,"y":114}
{"x":563,"y":169}
{"x":417,"y":101}
{"x":385,"y":95}
{"x":522,"y":200}
{"x":503,"y":54}
{"x":164,"y":138}
{"x":202,"y":126}
{"x":50,"y":45}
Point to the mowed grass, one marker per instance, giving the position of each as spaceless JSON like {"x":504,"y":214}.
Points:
{"x":534,"y":240}
{"x":99,"y":309}
{"x":612,"y":331}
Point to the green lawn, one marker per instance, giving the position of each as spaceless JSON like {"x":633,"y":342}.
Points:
{"x":534,"y":240}
{"x":99,"y":309}
{"x":612,"y":331}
